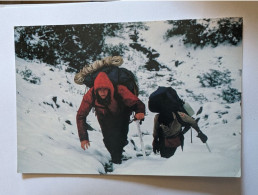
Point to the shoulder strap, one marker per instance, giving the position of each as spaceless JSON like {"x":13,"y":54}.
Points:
{"x":179,"y":119}
{"x":117,"y":96}
{"x":119,"y":99}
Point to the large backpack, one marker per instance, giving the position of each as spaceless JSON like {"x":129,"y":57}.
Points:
{"x":166,"y":99}
{"x":117,"y":75}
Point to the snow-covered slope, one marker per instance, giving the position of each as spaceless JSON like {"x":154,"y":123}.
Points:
{"x":48,"y":99}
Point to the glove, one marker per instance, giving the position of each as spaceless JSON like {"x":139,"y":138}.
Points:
{"x":155,"y":146}
{"x":202,"y":136}
{"x":139,"y":116}
{"x":85,"y":144}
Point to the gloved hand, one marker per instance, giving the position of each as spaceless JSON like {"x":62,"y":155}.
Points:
{"x":202,"y":136}
{"x":139,"y":116}
{"x":155,"y":146}
{"x":85,"y":144}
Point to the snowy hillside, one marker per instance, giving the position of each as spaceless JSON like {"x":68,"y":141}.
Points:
{"x":48,"y":100}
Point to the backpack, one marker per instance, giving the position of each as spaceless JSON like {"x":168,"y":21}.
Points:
{"x":166,"y":99}
{"x":117,"y":75}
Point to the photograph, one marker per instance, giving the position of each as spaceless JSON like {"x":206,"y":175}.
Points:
{"x":157,"y":98}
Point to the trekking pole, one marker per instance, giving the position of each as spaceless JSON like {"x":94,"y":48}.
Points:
{"x":140,"y":136}
{"x":208,"y":147}
{"x":191,"y":136}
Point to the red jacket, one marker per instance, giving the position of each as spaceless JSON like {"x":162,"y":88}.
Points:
{"x":102,"y":81}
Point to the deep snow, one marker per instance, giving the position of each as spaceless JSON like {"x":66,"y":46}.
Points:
{"x":47,"y":134}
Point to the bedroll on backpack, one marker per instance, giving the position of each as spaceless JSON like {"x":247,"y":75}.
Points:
{"x":118,"y":76}
{"x":165,"y":99}
{"x":109,"y":65}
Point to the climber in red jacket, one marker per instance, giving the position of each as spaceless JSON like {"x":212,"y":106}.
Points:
{"x":113,"y":106}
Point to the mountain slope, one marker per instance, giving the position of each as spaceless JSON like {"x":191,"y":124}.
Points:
{"x":48,"y":99}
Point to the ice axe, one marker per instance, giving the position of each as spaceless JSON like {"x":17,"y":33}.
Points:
{"x":140,"y":136}
{"x":138,"y":123}
{"x":208,"y":147}
{"x":204,"y":139}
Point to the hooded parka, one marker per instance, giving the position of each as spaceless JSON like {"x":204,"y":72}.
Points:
{"x":113,"y":117}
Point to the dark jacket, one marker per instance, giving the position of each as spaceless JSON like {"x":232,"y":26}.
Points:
{"x":174,"y":127}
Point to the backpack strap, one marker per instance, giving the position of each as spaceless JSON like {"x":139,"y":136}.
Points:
{"x":119,"y":99}
{"x":179,"y":119}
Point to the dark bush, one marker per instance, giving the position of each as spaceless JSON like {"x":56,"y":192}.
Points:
{"x":231,"y":95}
{"x":115,"y":50}
{"x":76,"y":45}
{"x":199,"y":34}
{"x":28,"y":76}
{"x":215,"y":78}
